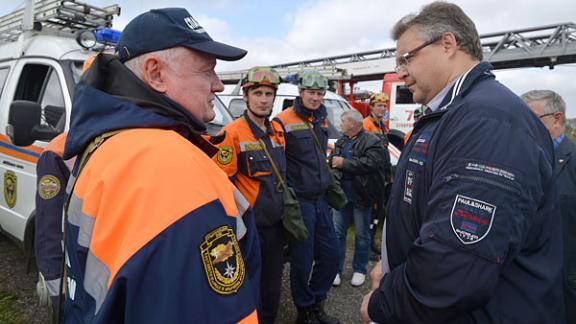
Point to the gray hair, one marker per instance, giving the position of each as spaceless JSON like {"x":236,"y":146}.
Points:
{"x":354,"y":115}
{"x":170,"y":56}
{"x":441,"y":17}
{"x":552,"y":102}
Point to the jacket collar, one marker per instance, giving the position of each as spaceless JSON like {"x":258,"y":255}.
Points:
{"x":314,"y":116}
{"x":255,"y":129}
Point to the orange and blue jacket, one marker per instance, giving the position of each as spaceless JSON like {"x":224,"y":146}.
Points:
{"x":155,"y":231}
{"x":377,"y":128}
{"x":52,"y":175}
{"x":306,"y":168}
{"x":243,"y":159}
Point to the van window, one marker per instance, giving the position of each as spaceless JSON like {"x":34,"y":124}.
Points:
{"x":237,"y":107}
{"x":287,"y":103}
{"x":31,"y":82}
{"x":3,"y":77}
{"x":403,"y":95}
{"x":53,"y":92}
{"x":40,"y":83}
{"x":335,"y":108}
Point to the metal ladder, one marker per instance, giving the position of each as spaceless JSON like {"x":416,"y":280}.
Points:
{"x":61,"y":15}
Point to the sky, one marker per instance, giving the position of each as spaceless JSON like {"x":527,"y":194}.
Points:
{"x":282,"y":31}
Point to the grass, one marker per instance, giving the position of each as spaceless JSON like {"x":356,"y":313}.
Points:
{"x":10,"y":312}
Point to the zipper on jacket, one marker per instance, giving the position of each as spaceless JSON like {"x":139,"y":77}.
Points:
{"x":453,"y":176}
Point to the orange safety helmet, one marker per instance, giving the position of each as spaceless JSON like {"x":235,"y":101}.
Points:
{"x":377,"y":97}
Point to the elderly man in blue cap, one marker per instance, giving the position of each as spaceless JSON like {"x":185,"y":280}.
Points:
{"x":155,"y":232}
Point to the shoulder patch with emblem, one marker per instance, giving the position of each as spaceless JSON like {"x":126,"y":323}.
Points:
{"x":222,"y":261}
{"x":48,"y":187}
{"x":225,"y":154}
{"x":471,"y":219}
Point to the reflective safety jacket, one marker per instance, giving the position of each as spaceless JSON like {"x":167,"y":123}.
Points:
{"x":52,"y":175}
{"x":473,"y":228}
{"x":305,"y":163}
{"x":241,"y":156}
{"x":156,"y":233}
{"x":377,"y":128}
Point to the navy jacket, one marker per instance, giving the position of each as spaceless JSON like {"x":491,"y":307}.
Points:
{"x":473,"y":229}
{"x":306,"y":168}
{"x":566,"y":184}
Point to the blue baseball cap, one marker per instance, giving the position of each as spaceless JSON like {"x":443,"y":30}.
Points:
{"x":160,"y":29}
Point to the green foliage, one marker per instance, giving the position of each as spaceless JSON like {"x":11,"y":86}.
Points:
{"x":570,"y":133}
{"x":9,"y":309}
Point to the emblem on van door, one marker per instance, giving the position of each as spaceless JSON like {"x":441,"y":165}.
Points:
{"x":10,"y":185}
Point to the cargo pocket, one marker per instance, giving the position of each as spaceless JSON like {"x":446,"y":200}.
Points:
{"x":258,"y":164}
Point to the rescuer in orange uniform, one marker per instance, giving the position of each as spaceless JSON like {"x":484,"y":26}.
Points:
{"x":375,"y":123}
{"x":155,"y":231}
{"x":243,"y":155}
{"x":314,"y":263}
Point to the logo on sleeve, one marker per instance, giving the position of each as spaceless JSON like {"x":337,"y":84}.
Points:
{"x":48,"y":187}
{"x":222,"y":260}
{"x":471,"y":219}
{"x":225,"y":154}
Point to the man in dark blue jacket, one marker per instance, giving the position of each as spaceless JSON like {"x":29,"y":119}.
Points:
{"x":473,"y":231}
{"x":551,"y":109}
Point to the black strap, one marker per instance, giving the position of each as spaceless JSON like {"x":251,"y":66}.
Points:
{"x":317,"y":144}
{"x":281,"y":183}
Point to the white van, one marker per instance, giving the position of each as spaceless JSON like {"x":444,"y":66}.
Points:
{"x":38,"y":74}
{"x":335,"y":106}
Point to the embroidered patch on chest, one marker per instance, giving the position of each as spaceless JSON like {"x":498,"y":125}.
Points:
{"x":222,"y":261}
{"x":419,"y":152}
{"x":471,"y":219}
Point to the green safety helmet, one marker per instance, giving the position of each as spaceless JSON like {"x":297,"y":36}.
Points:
{"x":312,"y":80}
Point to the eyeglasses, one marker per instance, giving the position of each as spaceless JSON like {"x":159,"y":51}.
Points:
{"x":403,"y":60}
{"x":546,"y":115}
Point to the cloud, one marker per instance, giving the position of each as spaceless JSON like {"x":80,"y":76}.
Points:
{"x":319,"y":28}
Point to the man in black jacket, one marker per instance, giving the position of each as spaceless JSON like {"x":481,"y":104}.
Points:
{"x":551,"y":110}
{"x":362,"y":159}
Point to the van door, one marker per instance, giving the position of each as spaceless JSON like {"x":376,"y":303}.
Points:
{"x":402,"y":108}
{"x":41,"y":81}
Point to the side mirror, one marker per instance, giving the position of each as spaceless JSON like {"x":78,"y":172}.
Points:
{"x":24,"y":124}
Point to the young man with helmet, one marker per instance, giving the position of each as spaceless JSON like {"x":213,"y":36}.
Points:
{"x":375,"y":123}
{"x":306,"y":129}
{"x":246,"y":146}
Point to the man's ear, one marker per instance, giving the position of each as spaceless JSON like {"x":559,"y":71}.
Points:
{"x":449,"y":43}
{"x":152,"y":74}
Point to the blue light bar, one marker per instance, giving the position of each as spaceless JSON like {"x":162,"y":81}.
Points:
{"x":107,"y":36}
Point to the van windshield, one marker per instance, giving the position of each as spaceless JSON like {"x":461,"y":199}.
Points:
{"x":335,"y":108}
